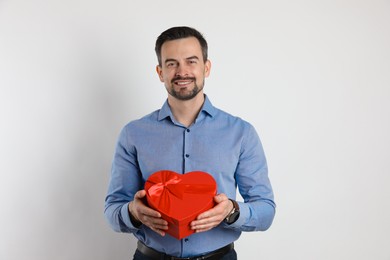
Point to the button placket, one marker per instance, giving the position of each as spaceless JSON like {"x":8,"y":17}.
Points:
{"x":186,"y":148}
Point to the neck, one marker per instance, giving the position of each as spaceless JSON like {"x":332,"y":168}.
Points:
{"x":186,"y":111}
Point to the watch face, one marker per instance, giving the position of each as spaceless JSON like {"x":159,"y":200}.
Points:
{"x":234,"y":214}
{"x":233,"y":217}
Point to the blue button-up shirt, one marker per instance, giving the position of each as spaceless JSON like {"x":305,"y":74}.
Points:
{"x":218,"y":143}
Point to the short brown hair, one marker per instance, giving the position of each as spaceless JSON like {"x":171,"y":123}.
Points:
{"x":181,"y":32}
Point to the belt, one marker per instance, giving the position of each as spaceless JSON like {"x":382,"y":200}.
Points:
{"x":153,"y":254}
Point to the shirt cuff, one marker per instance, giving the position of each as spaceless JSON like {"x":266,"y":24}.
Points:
{"x":125,"y":214}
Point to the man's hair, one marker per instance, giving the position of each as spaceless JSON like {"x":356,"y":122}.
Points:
{"x":176,"y":33}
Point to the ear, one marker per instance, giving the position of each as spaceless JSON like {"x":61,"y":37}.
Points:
{"x":159,"y":73}
{"x":207,"y":68}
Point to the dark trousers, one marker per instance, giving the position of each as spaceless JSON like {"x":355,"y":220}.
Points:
{"x":231,"y":255}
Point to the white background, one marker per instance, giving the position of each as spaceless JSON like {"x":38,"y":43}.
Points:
{"x":313,"y":77}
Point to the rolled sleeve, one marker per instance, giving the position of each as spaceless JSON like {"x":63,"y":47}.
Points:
{"x":258,"y":209}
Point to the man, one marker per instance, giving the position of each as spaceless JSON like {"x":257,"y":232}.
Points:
{"x":189,"y":134}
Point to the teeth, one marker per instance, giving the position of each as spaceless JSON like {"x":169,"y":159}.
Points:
{"x":183,"y":82}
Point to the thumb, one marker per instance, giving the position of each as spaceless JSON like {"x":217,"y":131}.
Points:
{"x":220,"y":197}
{"x":140,"y":194}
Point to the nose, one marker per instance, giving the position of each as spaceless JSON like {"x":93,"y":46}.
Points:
{"x":181,"y":70}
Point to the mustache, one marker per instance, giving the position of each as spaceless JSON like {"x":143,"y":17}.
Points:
{"x":182,"y":78}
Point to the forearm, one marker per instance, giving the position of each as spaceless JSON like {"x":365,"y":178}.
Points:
{"x":118,"y":217}
{"x":258,"y":209}
{"x":124,"y":182}
{"x":255,"y":216}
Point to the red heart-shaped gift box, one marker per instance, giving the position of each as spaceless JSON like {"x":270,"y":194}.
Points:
{"x":180,"y":198}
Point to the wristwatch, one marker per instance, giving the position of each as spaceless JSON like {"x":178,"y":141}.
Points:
{"x":234,"y":214}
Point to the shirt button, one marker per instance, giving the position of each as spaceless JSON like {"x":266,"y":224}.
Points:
{"x":186,"y":240}
{"x":188,"y":130}
{"x":187,"y":155}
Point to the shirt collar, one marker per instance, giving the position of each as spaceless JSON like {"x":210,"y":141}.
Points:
{"x":207,"y":108}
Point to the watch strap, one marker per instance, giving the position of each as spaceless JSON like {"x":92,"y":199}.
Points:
{"x":233,"y":215}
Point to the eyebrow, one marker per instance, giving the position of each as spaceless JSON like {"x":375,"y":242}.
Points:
{"x":192,"y":58}
{"x":169,"y":60}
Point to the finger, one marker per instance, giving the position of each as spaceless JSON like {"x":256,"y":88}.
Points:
{"x":161,"y":227}
{"x":206,"y":223}
{"x":210,"y":213}
{"x":159,"y":222}
{"x":205,"y":227}
{"x":154,"y":222}
{"x":158,"y":231}
{"x":149,"y":212}
{"x":158,"y":227}
{"x":203,"y":230}
{"x":219,"y":209}
{"x":204,"y":215}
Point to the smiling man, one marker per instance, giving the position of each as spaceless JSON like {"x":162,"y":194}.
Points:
{"x":189,"y":134}
{"x":183,"y":68}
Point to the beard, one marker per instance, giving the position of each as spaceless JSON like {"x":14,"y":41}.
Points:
{"x":185,"y":94}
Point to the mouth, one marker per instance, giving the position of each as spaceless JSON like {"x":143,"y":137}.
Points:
{"x":183,"y":82}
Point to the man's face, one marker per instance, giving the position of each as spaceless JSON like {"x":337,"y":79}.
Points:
{"x":183,"y":69}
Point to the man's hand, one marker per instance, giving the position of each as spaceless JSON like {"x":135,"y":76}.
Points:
{"x":146,"y":215}
{"x":211,"y":218}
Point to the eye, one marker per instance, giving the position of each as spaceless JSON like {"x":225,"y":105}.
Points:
{"x":192,"y":61}
{"x":171,"y":64}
